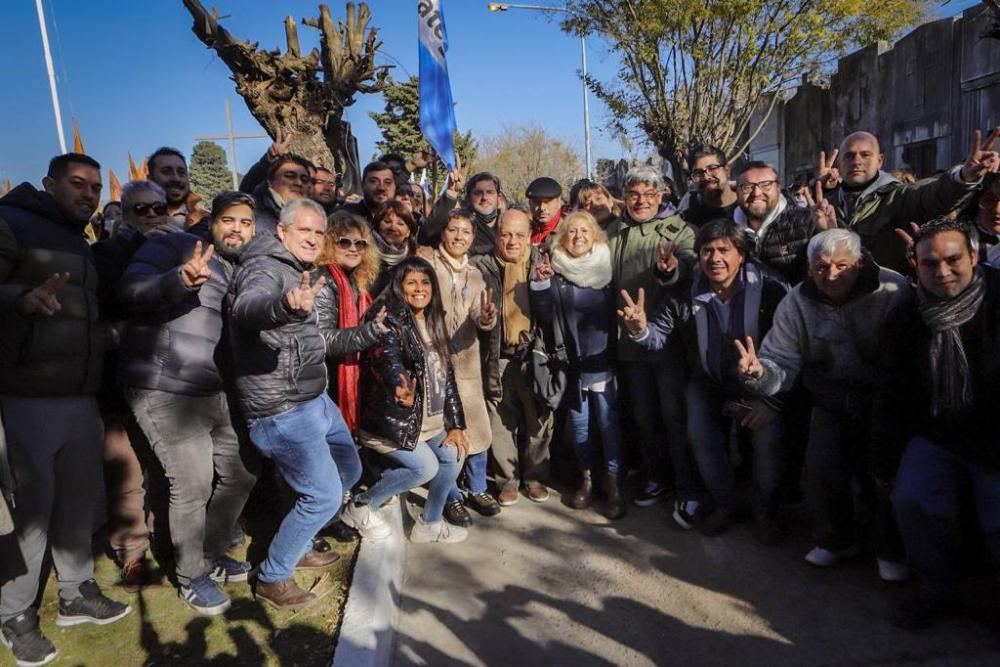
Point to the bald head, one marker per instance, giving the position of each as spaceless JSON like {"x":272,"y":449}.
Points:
{"x":860,"y":158}
{"x":513,"y":235}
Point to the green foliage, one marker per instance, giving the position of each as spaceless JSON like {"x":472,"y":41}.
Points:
{"x":520,"y":154}
{"x":210,"y":172}
{"x":696,"y":71}
{"x":400,"y":127}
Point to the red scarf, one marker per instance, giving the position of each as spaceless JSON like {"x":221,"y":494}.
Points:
{"x":539,"y":235}
{"x":349,"y":314}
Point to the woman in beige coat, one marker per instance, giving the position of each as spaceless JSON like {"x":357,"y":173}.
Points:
{"x":469,"y":308}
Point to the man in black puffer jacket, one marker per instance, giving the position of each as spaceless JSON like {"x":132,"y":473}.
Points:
{"x":51,"y":354}
{"x":279,"y":355}
{"x":172,"y":364}
{"x":779,"y":229}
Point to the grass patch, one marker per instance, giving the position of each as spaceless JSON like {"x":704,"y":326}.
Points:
{"x":163,"y":630}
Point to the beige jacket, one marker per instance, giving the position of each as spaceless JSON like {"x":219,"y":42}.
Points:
{"x":460,"y":292}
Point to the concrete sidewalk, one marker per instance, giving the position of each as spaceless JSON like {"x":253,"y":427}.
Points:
{"x":547,"y":585}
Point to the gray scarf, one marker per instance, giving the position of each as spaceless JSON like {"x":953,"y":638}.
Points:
{"x":949,"y":367}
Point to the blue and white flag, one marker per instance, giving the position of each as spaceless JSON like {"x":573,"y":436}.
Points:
{"x":437,"y":113}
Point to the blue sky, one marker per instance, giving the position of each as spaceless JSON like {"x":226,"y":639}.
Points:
{"x":135,"y":77}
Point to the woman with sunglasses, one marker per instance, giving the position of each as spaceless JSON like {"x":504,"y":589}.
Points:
{"x":411,"y":414}
{"x":350,"y":263}
{"x":395,"y":233}
{"x":469,"y":309}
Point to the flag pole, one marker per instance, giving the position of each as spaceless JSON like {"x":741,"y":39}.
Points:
{"x":52,"y":75}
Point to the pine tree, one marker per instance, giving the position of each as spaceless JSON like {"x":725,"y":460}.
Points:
{"x":210,"y":174}
{"x":400,"y":127}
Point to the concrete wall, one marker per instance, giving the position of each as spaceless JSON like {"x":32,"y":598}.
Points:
{"x":922,"y":97}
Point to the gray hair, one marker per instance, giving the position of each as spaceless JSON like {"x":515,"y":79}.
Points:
{"x":645,"y":174}
{"x":290,"y":209}
{"x":133,"y":188}
{"x":826,"y":243}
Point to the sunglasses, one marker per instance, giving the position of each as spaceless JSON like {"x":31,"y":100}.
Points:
{"x":346,"y":243}
{"x":159,"y":208}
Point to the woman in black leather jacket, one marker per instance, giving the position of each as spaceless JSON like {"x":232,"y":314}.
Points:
{"x":411,"y":411}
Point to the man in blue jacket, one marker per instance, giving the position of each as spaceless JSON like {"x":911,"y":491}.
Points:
{"x":172,"y":367}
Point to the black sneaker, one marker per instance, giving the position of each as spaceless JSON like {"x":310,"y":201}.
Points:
{"x":91,"y":607}
{"x":25,"y":640}
{"x":717,"y":523}
{"x":484,"y":503}
{"x":456,"y":514}
{"x":651,"y":493}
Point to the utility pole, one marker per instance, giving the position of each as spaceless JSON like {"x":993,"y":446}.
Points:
{"x":231,"y":138}
{"x":52,"y":75}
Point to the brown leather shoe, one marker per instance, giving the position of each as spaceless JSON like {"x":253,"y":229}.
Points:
{"x":536,"y":492}
{"x":508,"y":494}
{"x":584,"y":494}
{"x":317,"y":560}
{"x":283,"y":594}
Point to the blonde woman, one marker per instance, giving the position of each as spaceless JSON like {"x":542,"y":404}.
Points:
{"x":469,"y":308}
{"x":572,"y":290}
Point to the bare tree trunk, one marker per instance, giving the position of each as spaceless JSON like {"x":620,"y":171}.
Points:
{"x":286,"y":92}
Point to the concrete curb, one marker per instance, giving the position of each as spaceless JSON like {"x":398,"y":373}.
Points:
{"x":368,"y":629}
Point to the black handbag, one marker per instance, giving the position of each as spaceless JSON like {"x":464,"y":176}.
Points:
{"x":549,"y":367}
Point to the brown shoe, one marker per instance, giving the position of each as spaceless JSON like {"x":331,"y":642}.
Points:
{"x":317,"y":560}
{"x":584,"y":494}
{"x":536,"y":492}
{"x":136,"y":574}
{"x":283,"y":594}
{"x":508,"y":494}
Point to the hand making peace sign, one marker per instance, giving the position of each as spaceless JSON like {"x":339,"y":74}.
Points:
{"x":982,"y":158}
{"x":749,"y":365}
{"x":300,"y":300}
{"x":828,"y":174}
{"x":42,"y":300}
{"x":487,"y":309}
{"x":634,"y":312}
{"x":543,"y":270}
{"x":196,"y":271}
{"x":824,"y":216}
{"x":666,"y":256}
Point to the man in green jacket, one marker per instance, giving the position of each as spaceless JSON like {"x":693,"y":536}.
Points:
{"x":652,"y":250}
{"x":874,"y":204}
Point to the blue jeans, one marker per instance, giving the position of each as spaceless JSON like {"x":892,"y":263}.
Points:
{"x":931,"y":485}
{"x":709,"y":430}
{"x":475,"y":475}
{"x":656,"y":395}
{"x":315,"y":454}
{"x":602,"y":406}
{"x":427,"y":462}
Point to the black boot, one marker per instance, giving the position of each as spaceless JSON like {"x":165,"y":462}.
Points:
{"x":584,"y":494}
{"x":614,"y":504}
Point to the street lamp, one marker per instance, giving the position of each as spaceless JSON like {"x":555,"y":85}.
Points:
{"x":504,"y":6}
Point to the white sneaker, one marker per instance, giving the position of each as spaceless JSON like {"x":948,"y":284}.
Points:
{"x":825,"y":558}
{"x":439,"y":531}
{"x":892,"y":571}
{"x":368,"y":523}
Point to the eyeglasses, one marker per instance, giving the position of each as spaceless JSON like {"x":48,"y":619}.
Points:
{"x":646,"y":196}
{"x":296,"y":176}
{"x":158,"y":208}
{"x":763,"y":186}
{"x":345,"y":243}
{"x":699,"y":174}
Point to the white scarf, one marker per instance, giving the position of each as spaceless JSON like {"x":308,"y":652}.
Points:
{"x":591,"y":270}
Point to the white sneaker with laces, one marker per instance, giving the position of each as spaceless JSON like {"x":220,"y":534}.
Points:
{"x":367,"y":522}
{"x":825,"y":558}
{"x":892,"y":571}
{"x":439,"y":531}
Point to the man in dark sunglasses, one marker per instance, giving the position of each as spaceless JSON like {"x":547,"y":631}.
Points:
{"x":144,"y":209}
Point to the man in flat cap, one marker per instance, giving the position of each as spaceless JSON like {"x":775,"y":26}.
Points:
{"x":545,"y":203}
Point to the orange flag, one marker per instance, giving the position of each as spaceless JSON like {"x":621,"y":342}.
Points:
{"x":77,"y":141}
{"x":133,"y":171}
{"x":115,"y":186}
{"x":143,"y":170}
{"x":6,"y":187}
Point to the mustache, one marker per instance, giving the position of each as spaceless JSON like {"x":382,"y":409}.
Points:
{"x":175,"y":184}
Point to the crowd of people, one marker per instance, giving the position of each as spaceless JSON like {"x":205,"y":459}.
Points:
{"x":722,"y":343}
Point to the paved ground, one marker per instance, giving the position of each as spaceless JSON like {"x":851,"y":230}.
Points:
{"x":546,"y":585}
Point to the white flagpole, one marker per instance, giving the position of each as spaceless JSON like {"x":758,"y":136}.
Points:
{"x":52,"y":75}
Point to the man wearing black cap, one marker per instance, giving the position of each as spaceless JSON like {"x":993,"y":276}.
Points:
{"x":482,"y":199}
{"x":545,"y":202}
